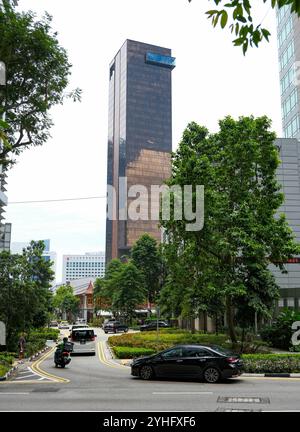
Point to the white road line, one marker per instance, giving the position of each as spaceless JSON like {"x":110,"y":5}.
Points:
{"x":15,"y":393}
{"x":181,"y":393}
{"x":26,"y":376}
{"x":39,"y":375}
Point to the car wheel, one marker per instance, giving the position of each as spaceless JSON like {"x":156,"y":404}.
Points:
{"x":105,"y":332}
{"x":126,"y":330}
{"x":146,"y":372}
{"x":211,"y":375}
{"x":56,"y":365}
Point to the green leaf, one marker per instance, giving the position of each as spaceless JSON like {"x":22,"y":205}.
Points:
{"x":224,"y":19}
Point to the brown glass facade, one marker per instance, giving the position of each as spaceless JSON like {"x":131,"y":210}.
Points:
{"x":139,"y":135}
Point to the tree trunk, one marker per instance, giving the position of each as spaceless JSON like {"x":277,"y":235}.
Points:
{"x":229,"y":318}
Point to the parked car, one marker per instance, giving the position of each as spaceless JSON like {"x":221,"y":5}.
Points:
{"x":152,"y":325}
{"x":83,"y":340}
{"x":63,"y":325}
{"x":53,"y":324}
{"x":114,"y":327}
{"x":209,"y":363}
{"x":108,"y":320}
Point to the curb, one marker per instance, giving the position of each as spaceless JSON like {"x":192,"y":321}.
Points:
{"x":38,"y":354}
{"x":112,"y":354}
{"x":273,"y":375}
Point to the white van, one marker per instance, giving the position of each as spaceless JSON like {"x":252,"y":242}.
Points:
{"x":83,"y":340}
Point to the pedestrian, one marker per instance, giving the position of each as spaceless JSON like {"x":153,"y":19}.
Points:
{"x":22,"y":346}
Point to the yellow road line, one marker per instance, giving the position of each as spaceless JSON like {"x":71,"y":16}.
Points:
{"x":36,"y":368}
{"x":103,"y":359}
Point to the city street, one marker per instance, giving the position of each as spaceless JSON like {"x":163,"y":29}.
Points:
{"x":94,"y":383}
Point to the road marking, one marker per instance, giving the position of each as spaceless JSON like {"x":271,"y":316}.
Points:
{"x":37,"y":369}
{"x":102,"y":358}
{"x":181,"y":393}
{"x":23,"y":377}
{"x":13,"y":393}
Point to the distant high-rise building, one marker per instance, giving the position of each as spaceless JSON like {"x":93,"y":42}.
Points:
{"x":89,"y":265}
{"x":48,"y":255}
{"x":139,"y":135}
{"x":288,"y":35}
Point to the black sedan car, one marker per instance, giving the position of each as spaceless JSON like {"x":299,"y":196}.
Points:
{"x":114,"y":327}
{"x":153,"y":325}
{"x":208,"y":363}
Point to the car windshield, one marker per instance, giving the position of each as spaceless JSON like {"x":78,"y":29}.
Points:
{"x":78,"y":335}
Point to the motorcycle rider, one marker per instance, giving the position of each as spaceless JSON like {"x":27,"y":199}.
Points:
{"x":65,"y":345}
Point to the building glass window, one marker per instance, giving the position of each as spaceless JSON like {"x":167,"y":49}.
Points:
{"x":285,"y":31}
{"x":287,"y":55}
{"x":292,"y":128}
{"x":290,"y":103}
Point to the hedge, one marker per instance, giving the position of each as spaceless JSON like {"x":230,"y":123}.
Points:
{"x":150,"y":340}
{"x":129,"y":353}
{"x":46,"y":334}
{"x":271,"y":363}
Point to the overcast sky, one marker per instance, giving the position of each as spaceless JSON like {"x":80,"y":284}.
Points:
{"x":211,"y":79}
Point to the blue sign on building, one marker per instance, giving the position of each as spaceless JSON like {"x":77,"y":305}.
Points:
{"x":160,"y":60}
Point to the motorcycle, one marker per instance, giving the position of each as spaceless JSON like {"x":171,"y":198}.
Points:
{"x":62,"y":357}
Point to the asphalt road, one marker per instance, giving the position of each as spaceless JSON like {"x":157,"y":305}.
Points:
{"x":90,"y":383}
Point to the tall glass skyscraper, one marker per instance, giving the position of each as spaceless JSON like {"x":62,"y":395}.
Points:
{"x":288,"y":33}
{"x":139,"y":135}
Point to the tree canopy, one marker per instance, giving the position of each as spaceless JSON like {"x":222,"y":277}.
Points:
{"x":237,"y":14}
{"x":226,"y":263}
{"x":25,"y":298}
{"x":145,"y":256}
{"x":65,"y":302}
{"x":37,"y":74}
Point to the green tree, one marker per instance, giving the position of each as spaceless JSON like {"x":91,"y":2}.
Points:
{"x":65,"y":302}
{"x":145,"y":256}
{"x":25,"y":299}
{"x":242,"y":233}
{"x":102,"y":299}
{"x":237,"y":14}
{"x":129,"y":290}
{"x":37,"y":74}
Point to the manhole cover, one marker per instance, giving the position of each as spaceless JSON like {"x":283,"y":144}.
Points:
{"x":45,"y":390}
{"x":235,"y":399}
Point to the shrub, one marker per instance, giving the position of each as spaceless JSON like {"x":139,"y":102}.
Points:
{"x":127,"y":352}
{"x":97,"y":322}
{"x":150,"y":340}
{"x":3,"y":369}
{"x":271,"y":363}
{"x":6,"y":359}
{"x":44,"y":333}
{"x":279,"y":334}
